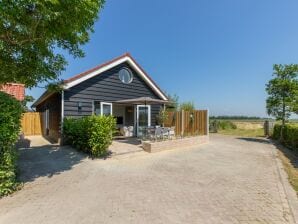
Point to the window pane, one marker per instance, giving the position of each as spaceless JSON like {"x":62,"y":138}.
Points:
{"x":125,"y":75}
{"x":143,"y":116}
{"x":97,"y":108}
{"x":106,"y":109}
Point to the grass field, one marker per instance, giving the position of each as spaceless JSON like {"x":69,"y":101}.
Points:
{"x":243,"y":128}
{"x":243,"y":132}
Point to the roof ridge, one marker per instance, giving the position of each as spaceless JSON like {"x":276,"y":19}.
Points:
{"x":75,"y":77}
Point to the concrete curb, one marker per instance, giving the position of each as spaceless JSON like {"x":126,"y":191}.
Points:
{"x":290,"y":193}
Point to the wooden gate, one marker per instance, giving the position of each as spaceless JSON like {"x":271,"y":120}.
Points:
{"x":31,"y":123}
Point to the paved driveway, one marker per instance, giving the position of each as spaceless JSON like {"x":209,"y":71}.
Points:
{"x":229,"y":180}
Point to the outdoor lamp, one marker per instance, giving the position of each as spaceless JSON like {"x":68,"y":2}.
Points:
{"x":79,"y":106}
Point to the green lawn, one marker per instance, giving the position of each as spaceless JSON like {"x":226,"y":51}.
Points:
{"x":243,"y":132}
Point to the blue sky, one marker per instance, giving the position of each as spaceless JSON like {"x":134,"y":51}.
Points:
{"x":218,"y":54}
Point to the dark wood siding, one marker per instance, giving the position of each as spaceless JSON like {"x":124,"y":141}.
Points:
{"x":106,"y":87}
{"x":53,"y":103}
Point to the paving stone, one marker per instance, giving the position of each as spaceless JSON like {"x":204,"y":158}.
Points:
{"x":229,"y":180}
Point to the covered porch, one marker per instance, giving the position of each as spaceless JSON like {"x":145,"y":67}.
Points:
{"x":133,"y":116}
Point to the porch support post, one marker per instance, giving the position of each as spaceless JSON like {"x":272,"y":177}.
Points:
{"x":207,"y":123}
{"x":62,"y":117}
{"x":182,"y":123}
{"x":164,"y":110}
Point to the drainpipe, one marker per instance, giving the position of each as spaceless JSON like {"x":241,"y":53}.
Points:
{"x":62,"y":117}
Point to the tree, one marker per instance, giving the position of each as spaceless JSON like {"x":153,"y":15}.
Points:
{"x":282,"y":93}
{"x":28,"y":99}
{"x":173,"y":102}
{"x":34,"y":35}
{"x":187,"y":106}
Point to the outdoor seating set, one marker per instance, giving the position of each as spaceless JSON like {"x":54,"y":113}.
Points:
{"x":150,"y":133}
{"x":127,"y":131}
{"x":159,"y":133}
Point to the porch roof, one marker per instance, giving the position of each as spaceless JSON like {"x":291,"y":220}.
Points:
{"x":142,"y":100}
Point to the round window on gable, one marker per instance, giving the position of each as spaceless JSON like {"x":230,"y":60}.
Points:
{"x":125,"y":75}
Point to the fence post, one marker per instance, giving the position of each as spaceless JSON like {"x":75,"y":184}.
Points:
{"x":268,"y":127}
{"x":207,"y":122}
{"x":182,"y":123}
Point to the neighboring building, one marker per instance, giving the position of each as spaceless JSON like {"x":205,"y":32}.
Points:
{"x":14,"y":89}
{"x":96,"y":92}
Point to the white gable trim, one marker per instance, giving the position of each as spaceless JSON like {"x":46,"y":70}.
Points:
{"x":113,"y":64}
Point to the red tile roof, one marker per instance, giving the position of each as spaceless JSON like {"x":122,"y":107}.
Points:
{"x":14,"y":89}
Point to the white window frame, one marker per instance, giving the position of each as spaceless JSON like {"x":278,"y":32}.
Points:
{"x":105,"y":103}
{"x":101,"y":106}
{"x":148,"y":111}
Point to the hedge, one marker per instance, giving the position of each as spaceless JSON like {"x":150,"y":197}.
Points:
{"x":290,"y":135}
{"x":215,"y":125}
{"x":91,"y":134}
{"x":10,"y":122}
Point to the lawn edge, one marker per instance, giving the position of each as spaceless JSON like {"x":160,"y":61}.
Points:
{"x":291,"y":195}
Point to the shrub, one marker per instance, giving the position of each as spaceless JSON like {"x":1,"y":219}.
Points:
{"x":215,"y":125}
{"x":92,"y":134}
{"x":226,"y":125}
{"x":187,"y":106}
{"x":10,"y":122}
{"x":162,"y":116}
{"x":290,"y":135}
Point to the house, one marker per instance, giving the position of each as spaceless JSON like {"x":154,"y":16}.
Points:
{"x":97,"y":91}
{"x":15,"y":89}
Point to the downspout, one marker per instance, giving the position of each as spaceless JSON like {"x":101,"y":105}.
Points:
{"x":62,"y":117}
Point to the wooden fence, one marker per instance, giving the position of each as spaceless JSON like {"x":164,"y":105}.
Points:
{"x":188,"y":123}
{"x":31,"y":123}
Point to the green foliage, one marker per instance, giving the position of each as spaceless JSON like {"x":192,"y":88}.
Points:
{"x":55,"y":87}
{"x":240,"y":117}
{"x":187,"y":106}
{"x":225,"y":125}
{"x":92,"y":134}
{"x":216,"y":125}
{"x":32,"y":31}
{"x":290,"y":135}
{"x":10,"y":122}
{"x":174,"y":102}
{"x":27,"y":99}
{"x":162,"y":116}
{"x":282,"y":92}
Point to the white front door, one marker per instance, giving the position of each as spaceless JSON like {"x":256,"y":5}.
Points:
{"x":143,"y":118}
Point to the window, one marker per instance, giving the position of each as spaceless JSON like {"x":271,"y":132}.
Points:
{"x":106,"y":108}
{"x":125,"y":75}
{"x":102,"y":108}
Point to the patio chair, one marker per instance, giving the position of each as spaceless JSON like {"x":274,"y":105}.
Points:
{"x":150,"y":133}
{"x":127,"y":131}
{"x":130,"y":131}
{"x":171,"y":132}
{"x":158,"y":133}
{"x":165,"y":132}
